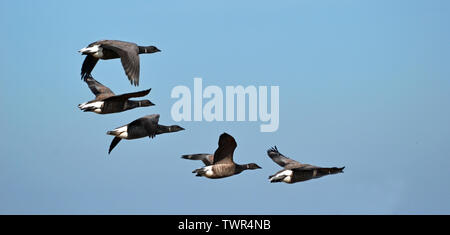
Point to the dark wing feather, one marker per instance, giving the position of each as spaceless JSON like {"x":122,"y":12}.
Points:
{"x":114,"y":142}
{"x":149,"y":123}
{"x":131,"y":65}
{"x":129,"y":95}
{"x":279,"y":158}
{"x":100,"y":91}
{"x":88,"y":65}
{"x":312,"y":172}
{"x":129,"y":56}
{"x":206,"y":158}
{"x":224,"y":153}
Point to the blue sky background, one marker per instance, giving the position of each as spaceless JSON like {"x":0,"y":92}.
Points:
{"x":363,"y":84}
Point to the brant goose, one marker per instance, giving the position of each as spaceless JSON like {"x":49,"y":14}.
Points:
{"x":128,"y":53}
{"x":139,"y":128}
{"x":107,"y":102}
{"x":296,"y":172}
{"x":220,"y":164}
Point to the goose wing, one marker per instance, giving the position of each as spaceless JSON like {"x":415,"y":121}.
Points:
{"x":206,"y":158}
{"x":149,"y":123}
{"x":88,"y":65}
{"x":224,"y":153}
{"x":281,"y":160}
{"x":129,"y":56}
{"x":113,"y":144}
{"x":129,"y":95}
{"x":100,"y":91}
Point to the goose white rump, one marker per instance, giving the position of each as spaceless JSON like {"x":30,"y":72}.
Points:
{"x":95,"y":51}
{"x":121,"y":132}
{"x":94,"y":106}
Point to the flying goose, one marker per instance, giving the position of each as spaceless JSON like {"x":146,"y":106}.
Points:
{"x":220,"y":164}
{"x":139,"y":128}
{"x":107,"y":102}
{"x":128,"y":53}
{"x":296,"y":172}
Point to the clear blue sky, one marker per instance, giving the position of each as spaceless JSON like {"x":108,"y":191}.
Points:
{"x":363,"y":84}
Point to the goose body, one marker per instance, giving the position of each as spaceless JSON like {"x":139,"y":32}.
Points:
{"x":220,"y":164}
{"x":106,"y":101}
{"x":128,"y":53}
{"x":146,"y":126}
{"x":218,"y":171}
{"x":294,"y":171}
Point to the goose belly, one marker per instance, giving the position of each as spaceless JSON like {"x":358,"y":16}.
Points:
{"x":114,"y":107}
{"x":219,"y":171}
{"x":304,"y":175}
{"x":136,"y":132}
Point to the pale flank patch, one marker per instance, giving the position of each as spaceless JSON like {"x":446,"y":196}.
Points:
{"x":208,"y":171}
{"x":96,"y":106}
{"x":95,"y":51}
{"x":288,"y":177}
{"x":91,"y":49}
{"x":99,"y":53}
{"x":122,"y":132}
{"x":121,"y":129}
{"x":123,"y":135}
{"x":287,"y":173}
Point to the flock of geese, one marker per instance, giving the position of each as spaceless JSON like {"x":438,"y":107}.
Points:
{"x":217,"y":165}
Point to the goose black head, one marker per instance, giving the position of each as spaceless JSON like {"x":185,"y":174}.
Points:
{"x":148,"y":50}
{"x":175,"y":128}
{"x":253,"y":166}
{"x":145,"y":103}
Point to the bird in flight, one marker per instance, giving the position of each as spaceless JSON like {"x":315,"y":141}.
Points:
{"x":128,"y":53}
{"x":107,"y":102}
{"x":220,"y":164}
{"x":146,"y":126}
{"x":294,"y":171}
